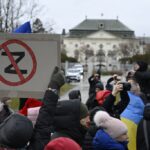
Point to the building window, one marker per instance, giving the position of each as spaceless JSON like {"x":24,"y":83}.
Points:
{"x":101,"y":46}
{"x":87,"y":45}
{"x":76,"y":45}
{"x":101,"y":26}
{"x":114,"y":46}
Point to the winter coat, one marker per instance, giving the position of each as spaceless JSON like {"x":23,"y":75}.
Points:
{"x":116,"y":110}
{"x":91,"y":101}
{"x":143,"y":78}
{"x":92,"y":83}
{"x":101,"y":95}
{"x":109,"y":86}
{"x":41,"y":135}
{"x":87,"y":144}
{"x":67,"y":121}
{"x":102,"y":141}
{"x":141,"y":142}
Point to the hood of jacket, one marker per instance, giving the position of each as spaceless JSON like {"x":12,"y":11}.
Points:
{"x":142,"y":66}
{"x":103,"y":141}
{"x":101,"y":95}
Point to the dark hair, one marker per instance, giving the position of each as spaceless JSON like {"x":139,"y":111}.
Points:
{"x":75,"y":94}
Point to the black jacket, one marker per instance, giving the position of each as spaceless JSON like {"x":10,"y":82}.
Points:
{"x":116,"y":110}
{"x":41,"y":135}
{"x":141,"y":144}
{"x":92,"y":83}
{"x":91,"y":101}
{"x":143,"y":78}
{"x":67,"y":121}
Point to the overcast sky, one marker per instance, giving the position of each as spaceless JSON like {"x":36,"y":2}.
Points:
{"x":68,"y":13}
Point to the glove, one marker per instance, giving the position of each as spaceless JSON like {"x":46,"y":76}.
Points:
{"x":57,"y":79}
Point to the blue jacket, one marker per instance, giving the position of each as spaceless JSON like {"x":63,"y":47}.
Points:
{"x":102,"y":141}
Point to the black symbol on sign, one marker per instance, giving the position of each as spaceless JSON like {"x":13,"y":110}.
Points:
{"x":9,"y":69}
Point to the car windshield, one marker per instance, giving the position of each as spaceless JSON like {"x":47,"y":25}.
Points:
{"x":73,"y":70}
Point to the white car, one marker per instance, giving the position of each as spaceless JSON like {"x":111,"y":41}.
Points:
{"x":73,"y":74}
{"x":79,"y":67}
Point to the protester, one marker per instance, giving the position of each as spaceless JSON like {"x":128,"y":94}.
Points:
{"x":109,"y":104}
{"x":91,"y":101}
{"x":71,"y":120}
{"x":143,"y":77}
{"x":75,"y":94}
{"x":111,"y":81}
{"x":112,"y":135}
{"x":87,"y":145}
{"x":93,"y":80}
{"x":68,"y":119}
{"x":15,"y":129}
{"x":133,"y":113}
{"x":41,"y":135}
{"x":143,"y":130}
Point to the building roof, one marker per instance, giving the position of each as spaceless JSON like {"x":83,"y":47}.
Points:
{"x":105,"y":24}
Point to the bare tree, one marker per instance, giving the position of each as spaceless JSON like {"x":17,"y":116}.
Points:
{"x":12,"y":12}
{"x":37,"y":26}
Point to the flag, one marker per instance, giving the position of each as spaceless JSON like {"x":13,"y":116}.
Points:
{"x":131,"y":116}
{"x":25,"y":28}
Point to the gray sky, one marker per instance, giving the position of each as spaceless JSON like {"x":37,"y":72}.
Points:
{"x":68,"y":13}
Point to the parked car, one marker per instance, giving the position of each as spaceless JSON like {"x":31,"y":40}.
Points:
{"x":79,"y":67}
{"x":73,"y":74}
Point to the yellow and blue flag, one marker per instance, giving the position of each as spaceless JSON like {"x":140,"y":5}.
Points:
{"x":131,"y":116}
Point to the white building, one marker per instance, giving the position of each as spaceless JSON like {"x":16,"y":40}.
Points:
{"x":101,"y":42}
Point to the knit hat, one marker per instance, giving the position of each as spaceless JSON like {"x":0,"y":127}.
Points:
{"x":83,"y":111}
{"x":62,"y":143}
{"x":114,"y":127}
{"x":99,"y":85}
{"x":15,"y":131}
{"x":142,"y":65}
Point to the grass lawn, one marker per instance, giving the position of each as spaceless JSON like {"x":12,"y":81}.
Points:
{"x":14,"y":104}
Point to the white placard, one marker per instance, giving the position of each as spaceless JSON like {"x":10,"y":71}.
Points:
{"x":26,"y":63}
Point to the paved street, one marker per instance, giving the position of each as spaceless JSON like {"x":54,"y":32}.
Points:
{"x":83,"y":86}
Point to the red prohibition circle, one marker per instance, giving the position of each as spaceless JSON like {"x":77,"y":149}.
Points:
{"x":22,"y":78}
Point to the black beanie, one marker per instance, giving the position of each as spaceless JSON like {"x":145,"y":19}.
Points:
{"x":83,"y":111}
{"x":142,"y":65}
{"x":15,"y":131}
{"x":99,"y":85}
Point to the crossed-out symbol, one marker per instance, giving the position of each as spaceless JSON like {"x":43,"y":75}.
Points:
{"x":23,"y":79}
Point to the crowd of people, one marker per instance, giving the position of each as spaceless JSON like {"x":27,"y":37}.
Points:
{"x":116,"y":116}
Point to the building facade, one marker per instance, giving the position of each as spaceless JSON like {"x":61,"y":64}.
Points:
{"x":101,"y":42}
